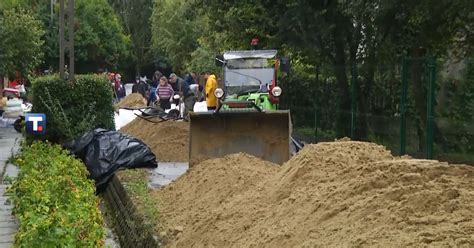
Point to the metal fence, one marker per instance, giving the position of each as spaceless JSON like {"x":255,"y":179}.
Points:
{"x":422,"y":107}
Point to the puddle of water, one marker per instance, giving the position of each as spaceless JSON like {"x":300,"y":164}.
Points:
{"x":166,"y":172}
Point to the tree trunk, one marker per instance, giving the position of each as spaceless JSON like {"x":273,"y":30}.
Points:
{"x":138,"y":69}
{"x":344,"y":99}
{"x":363,"y":101}
{"x":137,"y":60}
{"x":419,"y":94}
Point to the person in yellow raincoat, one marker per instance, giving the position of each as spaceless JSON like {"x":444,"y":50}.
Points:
{"x":211,"y":86}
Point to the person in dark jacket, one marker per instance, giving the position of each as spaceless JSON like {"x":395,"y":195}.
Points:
{"x":143,"y":87}
{"x":191,"y":80}
{"x":181,"y":86}
{"x":177,"y":83}
{"x":135,"y":84}
{"x":155,"y":81}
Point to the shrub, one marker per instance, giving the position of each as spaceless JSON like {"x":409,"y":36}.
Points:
{"x":73,"y":108}
{"x":54,"y":201}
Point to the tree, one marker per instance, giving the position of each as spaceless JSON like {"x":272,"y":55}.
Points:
{"x":20,"y":42}
{"x":100,"y":40}
{"x":8,"y":4}
{"x":328,"y":39}
{"x":366,"y":32}
{"x":99,"y":37}
{"x":135,"y":18}
{"x":175,"y":30}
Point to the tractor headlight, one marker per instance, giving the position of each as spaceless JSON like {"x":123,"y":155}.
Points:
{"x":276,"y":91}
{"x":219,"y":93}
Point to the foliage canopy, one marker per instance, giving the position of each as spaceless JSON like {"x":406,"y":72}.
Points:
{"x":20,"y":42}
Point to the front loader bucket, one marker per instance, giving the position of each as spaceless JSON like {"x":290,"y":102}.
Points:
{"x":264,"y":135}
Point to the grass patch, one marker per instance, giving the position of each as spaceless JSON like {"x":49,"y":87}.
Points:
{"x":311,"y":135}
{"x":135,"y":182}
{"x":456,"y":158}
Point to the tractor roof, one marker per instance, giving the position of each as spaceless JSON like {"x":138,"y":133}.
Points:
{"x":245,"y":54}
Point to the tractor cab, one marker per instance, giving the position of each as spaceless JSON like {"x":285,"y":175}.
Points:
{"x":250,"y":80}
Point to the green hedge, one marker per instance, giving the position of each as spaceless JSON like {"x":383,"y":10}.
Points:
{"x":54,"y":201}
{"x":73,"y":108}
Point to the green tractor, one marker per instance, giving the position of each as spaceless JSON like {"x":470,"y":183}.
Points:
{"x":250,"y":77}
{"x":247,"y":118}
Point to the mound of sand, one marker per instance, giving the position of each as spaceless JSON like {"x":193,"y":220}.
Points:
{"x":196,"y":194}
{"x":134,"y":100}
{"x":330,"y":194}
{"x":168,"y":140}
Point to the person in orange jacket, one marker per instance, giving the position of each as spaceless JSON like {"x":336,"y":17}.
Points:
{"x":211,"y":86}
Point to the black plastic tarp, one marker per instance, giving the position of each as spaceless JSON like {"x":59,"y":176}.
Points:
{"x":104,"y":152}
{"x":297,"y":145}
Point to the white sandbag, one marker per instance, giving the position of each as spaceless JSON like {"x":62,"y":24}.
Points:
{"x":13,"y":109}
{"x":200,"y":106}
{"x":14,"y":103}
{"x":124,"y":117}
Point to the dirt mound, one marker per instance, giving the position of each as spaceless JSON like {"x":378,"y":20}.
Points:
{"x":194,"y":197}
{"x":168,"y":140}
{"x":134,"y":100}
{"x":330,"y":194}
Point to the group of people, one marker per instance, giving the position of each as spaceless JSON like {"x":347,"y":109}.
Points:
{"x":161,"y":90}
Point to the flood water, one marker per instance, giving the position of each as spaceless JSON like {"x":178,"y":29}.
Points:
{"x":165,"y":173}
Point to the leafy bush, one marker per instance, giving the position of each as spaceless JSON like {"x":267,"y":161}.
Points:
{"x":73,"y":108}
{"x":21,"y":46}
{"x":54,"y":201}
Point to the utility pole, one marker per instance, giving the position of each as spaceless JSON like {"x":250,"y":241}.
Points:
{"x":71,"y":38}
{"x":62,"y":40}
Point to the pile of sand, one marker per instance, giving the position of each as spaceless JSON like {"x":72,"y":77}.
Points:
{"x":134,"y":100}
{"x":168,"y":140}
{"x":330,"y":194}
{"x":196,"y":194}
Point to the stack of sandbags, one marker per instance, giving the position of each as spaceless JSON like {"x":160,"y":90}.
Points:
{"x":13,"y":109}
{"x":4,"y":120}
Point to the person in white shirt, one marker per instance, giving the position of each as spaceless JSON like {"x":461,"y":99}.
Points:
{"x":21,"y":88}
